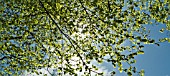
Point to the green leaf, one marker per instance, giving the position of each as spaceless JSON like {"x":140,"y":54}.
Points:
{"x":140,"y":52}
{"x":36,"y":72}
{"x":142,"y":72}
{"x":157,"y":44}
{"x":45,"y":74}
{"x":26,"y":26}
{"x":144,"y":40}
{"x":129,"y":73}
{"x":113,"y":73}
{"x":120,"y":69}
{"x":120,"y":64}
{"x":162,"y":30}
{"x":169,"y":40}
{"x":151,"y":41}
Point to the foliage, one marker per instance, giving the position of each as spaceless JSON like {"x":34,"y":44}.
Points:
{"x":86,"y":29}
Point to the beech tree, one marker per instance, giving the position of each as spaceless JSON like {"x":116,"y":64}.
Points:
{"x":37,"y":34}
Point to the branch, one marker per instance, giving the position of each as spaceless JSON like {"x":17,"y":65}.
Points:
{"x":3,"y":57}
{"x":92,"y":11}
{"x":109,"y":5}
{"x":131,"y":66}
{"x":66,"y":35}
{"x":49,"y":72}
{"x":11,"y":56}
{"x":61,"y":30}
{"x":20,"y":37}
{"x":85,"y":10}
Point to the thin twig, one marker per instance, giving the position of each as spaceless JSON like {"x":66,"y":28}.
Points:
{"x":65,"y":35}
{"x":49,"y":71}
{"x":61,"y":31}
{"x":85,"y":10}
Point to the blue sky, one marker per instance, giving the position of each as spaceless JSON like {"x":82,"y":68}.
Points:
{"x":156,"y":60}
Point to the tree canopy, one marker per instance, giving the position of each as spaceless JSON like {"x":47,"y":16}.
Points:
{"x":35,"y":34}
